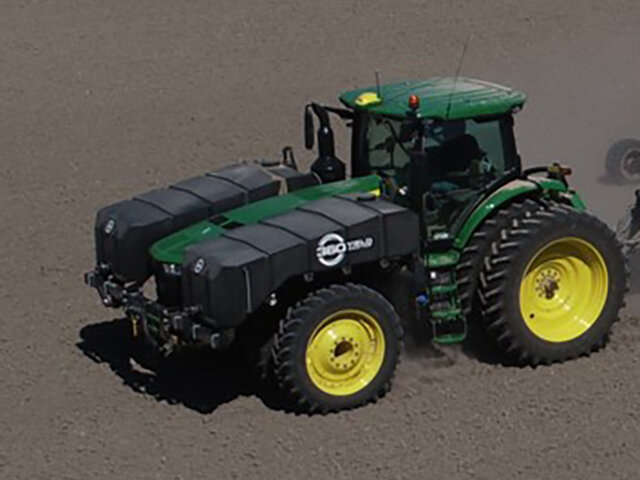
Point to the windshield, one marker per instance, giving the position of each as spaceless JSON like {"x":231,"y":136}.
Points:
{"x":462,"y":158}
{"x":388,"y":143}
{"x":454,"y":146}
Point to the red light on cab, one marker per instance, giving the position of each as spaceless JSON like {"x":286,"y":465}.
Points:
{"x":414,"y":102}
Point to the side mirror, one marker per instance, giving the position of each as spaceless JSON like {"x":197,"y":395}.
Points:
{"x":308,"y":128}
{"x":418,"y":181}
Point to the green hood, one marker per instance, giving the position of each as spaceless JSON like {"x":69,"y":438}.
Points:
{"x":171,"y":248}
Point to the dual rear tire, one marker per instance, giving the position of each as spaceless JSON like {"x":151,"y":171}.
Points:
{"x":550,"y":285}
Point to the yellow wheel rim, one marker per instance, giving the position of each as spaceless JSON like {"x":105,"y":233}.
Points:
{"x":345,"y":352}
{"x":564,"y":289}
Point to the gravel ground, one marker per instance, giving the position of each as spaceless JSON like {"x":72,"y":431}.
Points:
{"x":100,"y":100}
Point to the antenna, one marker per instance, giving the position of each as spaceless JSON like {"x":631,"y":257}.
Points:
{"x":455,"y":81}
{"x":378,"y":83}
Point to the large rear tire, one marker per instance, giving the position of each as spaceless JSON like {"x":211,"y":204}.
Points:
{"x":552,"y":285}
{"x":337,"y":349}
{"x":479,"y":246}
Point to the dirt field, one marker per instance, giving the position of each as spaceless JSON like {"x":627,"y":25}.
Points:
{"x":103,"y":99}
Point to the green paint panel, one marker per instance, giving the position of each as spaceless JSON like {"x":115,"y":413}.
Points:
{"x":442,"y":259}
{"x":171,"y":249}
{"x":509,"y":191}
{"x":450,"y":339}
{"x":577,"y":202}
{"x":550,"y":184}
{"x":500,"y":196}
{"x":273,"y":206}
{"x":441,"y":98}
{"x":556,"y":185}
{"x":450,"y":313}
{"x":444,"y":289}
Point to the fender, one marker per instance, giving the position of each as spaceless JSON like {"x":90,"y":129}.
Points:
{"x":515,"y":188}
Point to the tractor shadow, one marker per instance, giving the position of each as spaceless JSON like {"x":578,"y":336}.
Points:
{"x":199,"y":380}
{"x":203,"y":380}
{"x":607,"y":180}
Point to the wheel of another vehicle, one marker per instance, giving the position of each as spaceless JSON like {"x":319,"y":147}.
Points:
{"x":623,"y":161}
{"x":337,"y":349}
{"x":628,"y":227}
{"x":552,"y":286}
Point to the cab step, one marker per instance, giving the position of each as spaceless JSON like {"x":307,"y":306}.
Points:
{"x":449,"y":330}
{"x":444,"y":289}
{"x":440,"y":301}
{"x":448,"y":314}
{"x":450,"y":338}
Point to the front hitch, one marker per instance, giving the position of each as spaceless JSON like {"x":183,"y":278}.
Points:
{"x":112,"y":293}
{"x":163,"y":328}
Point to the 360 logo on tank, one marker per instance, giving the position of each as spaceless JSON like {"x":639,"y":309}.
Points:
{"x":332,"y":248}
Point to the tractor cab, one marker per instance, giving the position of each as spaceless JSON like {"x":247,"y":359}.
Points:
{"x":439,"y":145}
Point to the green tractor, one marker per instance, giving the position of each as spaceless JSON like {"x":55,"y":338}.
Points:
{"x":287,"y":263}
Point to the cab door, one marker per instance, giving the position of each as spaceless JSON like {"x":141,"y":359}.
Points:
{"x":465,"y":160}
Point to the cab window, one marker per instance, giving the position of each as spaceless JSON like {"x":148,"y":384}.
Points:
{"x":463,"y":157}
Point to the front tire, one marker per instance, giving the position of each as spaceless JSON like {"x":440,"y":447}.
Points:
{"x":552,"y":286}
{"x":337,"y":349}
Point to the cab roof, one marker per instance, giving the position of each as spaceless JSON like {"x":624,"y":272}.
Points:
{"x":469,"y":98}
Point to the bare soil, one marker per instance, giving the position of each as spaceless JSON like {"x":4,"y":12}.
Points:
{"x":100,"y":100}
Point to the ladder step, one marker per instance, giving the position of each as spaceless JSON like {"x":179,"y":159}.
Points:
{"x":449,"y":330}
{"x":450,"y":338}
{"x":442,"y":260}
{"x":442,"y":289}
{"x":441,"y":300}
{"x":448,"y":314}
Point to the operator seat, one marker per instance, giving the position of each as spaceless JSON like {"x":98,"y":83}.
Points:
{"x":459,"y":152}
{"x":457,"y":160}
{"x":455,"y":167}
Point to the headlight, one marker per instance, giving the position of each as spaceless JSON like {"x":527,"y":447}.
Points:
{"x":172,"y":269}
